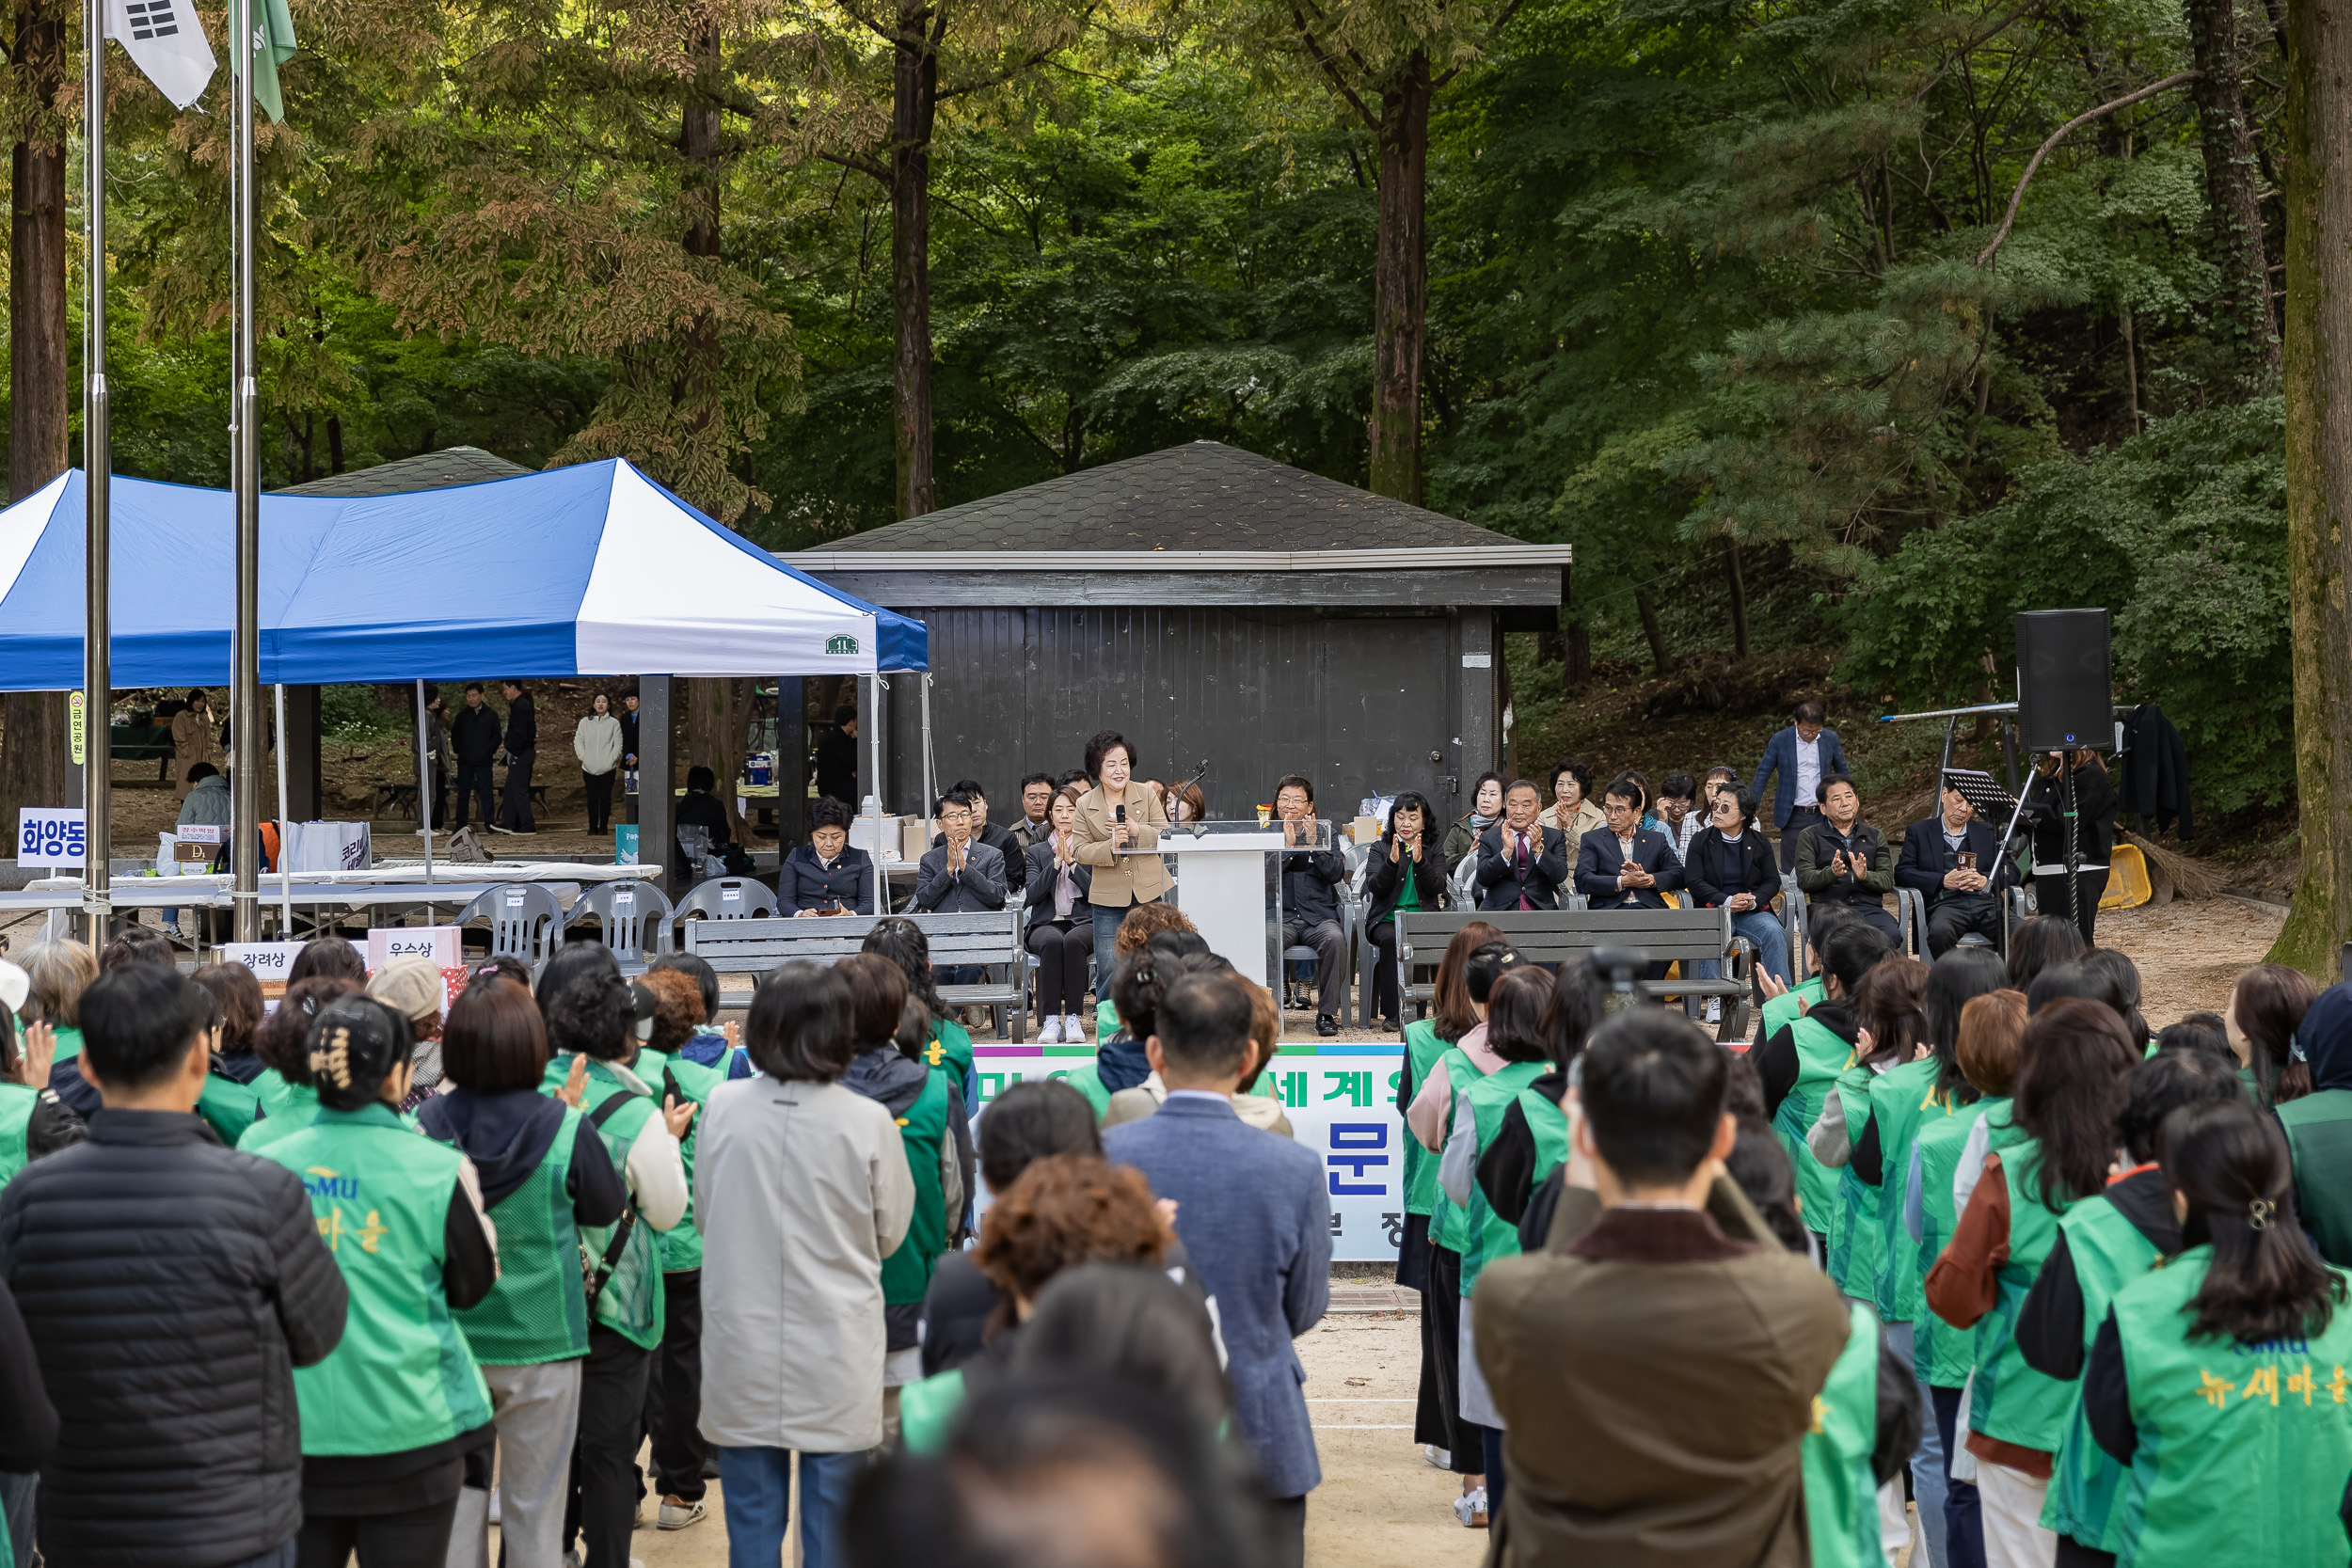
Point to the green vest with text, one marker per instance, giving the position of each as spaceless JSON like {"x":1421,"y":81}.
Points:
{"x":1905,"y":1106}
{"x":2243,"y":1449}
{"x":2011,"y":1401}
{"x":1421,"y":1050}
{"x":1944,"y":1353}
{"x":681,"y":1246}
{"x":950,"y":1047}
{"x":1821,"y":1057}
{"x":2319,"y":1134}
{"x":631,"y":1303}
{"x":906,"y":1273}
{"x":538,"y":1310}
{"x":1851,"y":1255}
{"x":2086,"y":1482}
{"x":1840,"y":1495}
{"x":1489,"y":1237}
{"x":402,"y":1376}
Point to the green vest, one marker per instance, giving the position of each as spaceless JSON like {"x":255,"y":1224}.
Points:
{"x":1851,"y":1257}
{"x":681,"y":1246}
{"x":1421,"y":1050}
{"x":227,"y":1106}
{"x":68,"y":1042}
{"x":16,"y":1113}
{"x":1821,"y":1057}
{"x":906,"y":1273}
{"x":1487,"y":1235}
{"x":1087,"y":1081}
{"x":950,"y":1047}
{"x":285,"y":1108}
{"x":2243,"y":1449}
{"x":2012,"y":1401}
{"x":402,"y":1376}
{"x":538,"y":1310}
{"x":1841,"y":1508}
{"x":2108,"y":1253}
{"x":1781,"y":1010}
{"x":1449,"y":1225}
{"x":926,"y":1407}
{"x":1944,"y":1353}
{"x":1106,"y":1018}
{"x":631,"y":1303}
{"x":2319,"y":1133}
{"x":1905,"y":1102}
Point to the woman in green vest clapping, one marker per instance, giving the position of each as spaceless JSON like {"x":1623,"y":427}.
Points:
{"x":592,"y":1012}
{"x":2070,"y":1088}
{"x":544,"y":1176}
{"x":2220,"y":1378}
{"x":388,"y":1417}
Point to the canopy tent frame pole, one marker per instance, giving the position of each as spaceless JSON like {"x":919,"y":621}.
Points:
{"x":97,"y":466}
{"x":930,"y":783}
{"x":873,"y":785}
{"x":285,"y":831}
{"x":424,"y":787}
{"x":244,"y":451}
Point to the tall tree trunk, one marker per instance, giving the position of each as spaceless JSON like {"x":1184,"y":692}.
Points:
{"x":2233,"y":193}
{"x":914,"y":104}
{"x":1579,"y":658}
{"x":1648,"y":611}
{"x":32,"y":752}
{"x":2318,"y":387}
{"x":718,"y":719}
{"x":1739,"y":598}
{"x":1399,"y":300}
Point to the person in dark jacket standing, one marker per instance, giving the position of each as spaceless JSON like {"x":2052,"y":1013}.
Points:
{"x":837,"y":758}
{"x":474,"y":736}
{"x":2093,"y":835}
{"x":1803,"y":757}
{"x":170,"y":1288}
{"x":436,"y":741}
{"x":522,"y":744}
{"x":1311,"y":903}
{"x":1407,"y":872}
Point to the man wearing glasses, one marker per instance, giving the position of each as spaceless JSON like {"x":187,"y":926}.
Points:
{"x":960,"y":876}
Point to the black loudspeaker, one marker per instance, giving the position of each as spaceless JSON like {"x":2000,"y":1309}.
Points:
{"x":2065,"y":690}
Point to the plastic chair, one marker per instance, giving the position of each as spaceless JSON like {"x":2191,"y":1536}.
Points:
{"x":524,"y":918}
{"x":1792,"y":923}
{"x":634,"y":919}
{"x":727,"y":899}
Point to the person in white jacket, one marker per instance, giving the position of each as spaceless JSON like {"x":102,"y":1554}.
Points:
{"x":598,"y":744}
{"x":800,"y":1191}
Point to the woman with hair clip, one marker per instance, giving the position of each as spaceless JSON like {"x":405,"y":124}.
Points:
{"x":285,"y":1099}
{"x":2214,"y":1378}
{"x":902,"y":941}
{"x":2265,"y":1010}
{"x":2071,"y":1088}
{"x":1407,"y":874}
{"x":389,"y":1416}
{"x":1426,"y":1039}
{"x":1801,"y":1063}
{"x":2104,"y":1243}
{"x":1516,"y":1002}
{"x":2090,"y":835}
{"x":2318,"y":1126}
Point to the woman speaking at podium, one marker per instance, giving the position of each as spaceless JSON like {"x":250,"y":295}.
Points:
{"x":1120,"y":811}
{"x":2092,"y":834}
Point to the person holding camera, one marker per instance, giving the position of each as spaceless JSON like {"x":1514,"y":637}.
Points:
{"x":1953,"y":862}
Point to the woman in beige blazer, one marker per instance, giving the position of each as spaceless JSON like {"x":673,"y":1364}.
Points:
{"x":1572,"y":810}
{"x":1120,"y":881}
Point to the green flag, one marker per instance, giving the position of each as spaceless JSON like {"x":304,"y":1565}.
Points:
{"x":273,"y":46}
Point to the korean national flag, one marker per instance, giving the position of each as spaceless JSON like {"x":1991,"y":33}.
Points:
{"x":164,"y":38}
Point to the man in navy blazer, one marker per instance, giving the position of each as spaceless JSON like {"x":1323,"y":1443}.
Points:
{"x":1615,"y":874}
{"x":1802,"y":755}
{"x":1960,"y":897}
{"x":1521,"y":864}
{"x":1252,"y":1211}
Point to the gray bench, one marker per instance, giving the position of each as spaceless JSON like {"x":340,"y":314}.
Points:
{"x":990,"y":941}
{"x":1555,"y":936}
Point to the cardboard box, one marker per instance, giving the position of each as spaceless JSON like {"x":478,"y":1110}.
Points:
{"x":862,"y":835}
{"x":1364,"y":829}
{"x":914,"y":838}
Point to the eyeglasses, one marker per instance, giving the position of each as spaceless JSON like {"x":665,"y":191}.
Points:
{"x":951,"y":818}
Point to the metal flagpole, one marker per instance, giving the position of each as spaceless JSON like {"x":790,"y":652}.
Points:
{"x":243,"y":449}
{"x":285,"y":832}
{"x":425,"y":789}
{"x":931,"y":783}
{"x":97,"y":464}
{"x":873,"y":787}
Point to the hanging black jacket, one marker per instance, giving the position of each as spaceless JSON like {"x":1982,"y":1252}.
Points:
{"x":170,"y":1286}
{"x":2151,"y":778}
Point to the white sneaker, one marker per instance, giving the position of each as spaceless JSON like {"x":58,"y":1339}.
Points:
{"x":1714,"y":1009}
{"x":678,"y":1514}
{"x":1051,"y":1034}
{"x":1471,"y":1508}
{"x":1440,"y":1459}
{"x":1073,"y":1032}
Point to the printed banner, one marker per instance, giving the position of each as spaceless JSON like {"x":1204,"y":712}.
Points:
{"x":1341,"y":1100}
{"x":49,"y":835}
{"x":437,"y":942}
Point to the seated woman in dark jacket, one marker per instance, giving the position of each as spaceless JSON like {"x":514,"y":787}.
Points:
{"x":825,"y":875}
{"x":1730,"y":864}
{"x":1060,"y":923}
{"x":1407,"y":872}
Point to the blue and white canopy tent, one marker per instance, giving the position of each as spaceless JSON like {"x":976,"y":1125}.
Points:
{"x":589,"y":570}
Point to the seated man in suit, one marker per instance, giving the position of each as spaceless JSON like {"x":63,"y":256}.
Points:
{"x":1251,"y":1212}
{"x":1952,"y":861}
{"x":1521,"y":864}
{"x":963,"y":875}
{"x":1843,"y":860}
{"x":1001,"y":839}
{"x":1625,"y":865}
{"x":1673,"y":1435}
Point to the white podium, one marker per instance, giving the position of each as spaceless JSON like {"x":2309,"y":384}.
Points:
{"x":1226,"y":885}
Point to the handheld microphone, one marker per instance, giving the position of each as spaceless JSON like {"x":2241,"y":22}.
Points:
{"x":1119,"y":813}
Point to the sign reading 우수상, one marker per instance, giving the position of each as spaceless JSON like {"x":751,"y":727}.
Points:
{"x":49,"y":835}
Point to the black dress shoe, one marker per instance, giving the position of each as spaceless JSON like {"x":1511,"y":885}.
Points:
{"x":1326,"y":1024}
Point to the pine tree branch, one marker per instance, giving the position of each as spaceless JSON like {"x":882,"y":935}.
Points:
{"x":2018,"y":196}
{"x":1332,"y":69}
